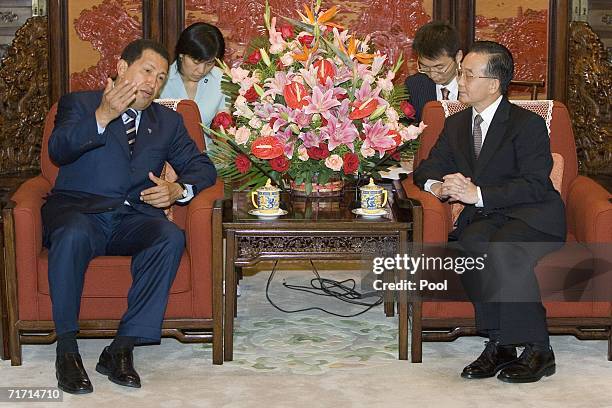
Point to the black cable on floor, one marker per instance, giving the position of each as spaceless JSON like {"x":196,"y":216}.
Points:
{"x":326,"y":287}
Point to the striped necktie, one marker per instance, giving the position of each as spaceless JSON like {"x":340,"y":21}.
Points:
{"x":445,"y":93}
{"x":477,"y":133}
{"x":130,"y":128}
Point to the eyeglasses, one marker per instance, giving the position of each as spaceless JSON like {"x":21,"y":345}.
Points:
{"x":439,"y":71}
{"x":470,"y":77}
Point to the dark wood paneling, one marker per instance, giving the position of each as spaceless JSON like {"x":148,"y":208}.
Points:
{"x":558,"y":17}
{"x":173,"y":22}
{"x":58,"y":49}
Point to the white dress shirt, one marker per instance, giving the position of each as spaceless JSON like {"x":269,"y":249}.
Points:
{"x":487,"y":116}
{"x":453,"y":88}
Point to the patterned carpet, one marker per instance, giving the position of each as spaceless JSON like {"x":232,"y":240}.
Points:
{"x":309,"y":342}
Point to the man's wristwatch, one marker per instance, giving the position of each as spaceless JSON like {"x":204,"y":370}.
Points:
{"x":185,"y":192}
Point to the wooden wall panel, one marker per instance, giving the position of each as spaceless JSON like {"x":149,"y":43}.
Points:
{"x":391,"y":24}
{"x":522,"y":26}
{"x":98,"y":31}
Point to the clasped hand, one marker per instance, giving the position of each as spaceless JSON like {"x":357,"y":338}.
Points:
{"x":163,"y":194}
{"x":456,"y":187}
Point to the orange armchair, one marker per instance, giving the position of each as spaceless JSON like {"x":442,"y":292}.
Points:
{"x":194,"y":312}
{"x":589,"y":220}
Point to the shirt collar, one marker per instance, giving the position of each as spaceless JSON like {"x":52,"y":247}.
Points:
{"x":489,"y":112}
{"x":452,"y":86}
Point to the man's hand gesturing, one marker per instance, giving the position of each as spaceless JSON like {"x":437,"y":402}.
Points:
{"x":116,"y":98}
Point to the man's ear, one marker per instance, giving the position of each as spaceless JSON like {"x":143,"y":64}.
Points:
{"x":122,"y":66}
{"x":459,"y":56}
{"x":495,"y":86}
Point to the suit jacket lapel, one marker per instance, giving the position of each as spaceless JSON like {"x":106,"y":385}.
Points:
{"x":466,"y":144}
{"x":495,"y":135}
{"x":147,"y":128}
{"x":430,"y":90}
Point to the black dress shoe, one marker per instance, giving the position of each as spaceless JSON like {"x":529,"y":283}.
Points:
{"x":533,"y":364}
{"x":493,"y":358}
{"x":119,"y":367}
{"x":71,"y":375}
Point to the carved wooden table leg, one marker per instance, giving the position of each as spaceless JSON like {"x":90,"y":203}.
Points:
{"x":230,"y":297}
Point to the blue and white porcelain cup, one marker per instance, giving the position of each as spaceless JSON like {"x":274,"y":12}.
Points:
{"x":266,"y":199}
{"x":373,"y":198}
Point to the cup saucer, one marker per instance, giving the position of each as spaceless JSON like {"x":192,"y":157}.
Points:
{"x":378,"y":213}
{"x":267,"y":216}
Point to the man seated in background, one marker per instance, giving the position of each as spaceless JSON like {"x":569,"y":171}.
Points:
{"x":436,"y":45}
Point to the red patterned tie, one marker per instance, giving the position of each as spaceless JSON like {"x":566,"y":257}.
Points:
{"x":445,"y":94}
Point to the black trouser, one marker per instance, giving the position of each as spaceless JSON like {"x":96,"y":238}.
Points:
{"x":506,"y":294}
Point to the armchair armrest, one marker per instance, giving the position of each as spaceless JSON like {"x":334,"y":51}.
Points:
{"x":436,"y":215}
{"x":589,"y":211}
{"x":198,"y":226}
{"x":27,"y":202}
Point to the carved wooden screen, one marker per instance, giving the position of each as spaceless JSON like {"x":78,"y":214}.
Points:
{"x":97,"y":32}
{"x":522,"y":26}
{"x":390,"y":23}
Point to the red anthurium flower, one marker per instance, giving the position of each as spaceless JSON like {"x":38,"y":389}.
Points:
{"x":294,"y":94}
{"x":350,"y":163}
{"x":254,"y":57}
{"x":306,"y":40}
{"x":397,"y":138}
{"x":362,"y":109}
{"x":222,"y":119}
{"x":251,"y":95}
{"x":325,"y":69}
{"x":279,"y":164}
{"x":267,"y":147}
{"x":286,"y":31}
{"x":242,"y":162}
{"x":408,"y":109}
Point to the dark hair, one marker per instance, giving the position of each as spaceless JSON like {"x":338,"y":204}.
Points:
{"x":435,"y":39}
{"x":500,"y":64}
{"x":133,"y":51}
{"x":201,"y":41}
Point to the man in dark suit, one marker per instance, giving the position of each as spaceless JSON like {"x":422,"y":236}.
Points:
{"x":107,"y":200}
{"x":436,"y":45}
{"x":495,"y":159}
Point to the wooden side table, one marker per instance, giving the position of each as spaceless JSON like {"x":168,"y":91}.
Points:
{"x":313,"y":229}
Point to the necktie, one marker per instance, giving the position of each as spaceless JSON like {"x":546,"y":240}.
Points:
{"x":130,"y":128}
{"x":445,"y":93}
{"x":477,"y":133}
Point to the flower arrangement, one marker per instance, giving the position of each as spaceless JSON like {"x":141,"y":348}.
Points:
{"x":310,"y":103}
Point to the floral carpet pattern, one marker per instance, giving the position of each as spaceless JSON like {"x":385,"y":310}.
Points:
{"x":311,"y":342}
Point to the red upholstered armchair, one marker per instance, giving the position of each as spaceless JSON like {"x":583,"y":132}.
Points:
{"x":194,"y":312}
{"x":589,"y":220}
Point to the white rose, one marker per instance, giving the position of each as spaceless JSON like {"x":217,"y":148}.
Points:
{"x":334,"y":162}
{"x":287,"y":59}
{"x":242,"y":135}
{"x":255,"y":122}
{"x":392,"y":114}
{"x":367,"y":151}
{"x":238,"y":74}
